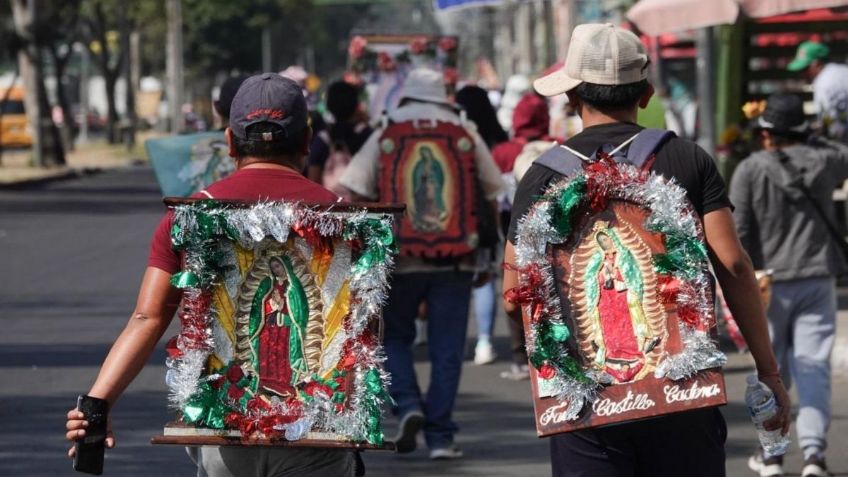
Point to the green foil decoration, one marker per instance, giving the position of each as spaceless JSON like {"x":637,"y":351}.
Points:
{"x":374,"y":383}
{"x":380,"y":244}
{"x":205,"y":408}
{"x":185,"y":279}
{"x":564,"y":204}
{"x":559,"y":332}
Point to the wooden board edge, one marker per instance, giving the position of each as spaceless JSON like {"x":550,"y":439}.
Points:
{"x":238,"y":441}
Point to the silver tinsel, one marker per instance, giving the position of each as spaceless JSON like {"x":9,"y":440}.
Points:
{"x":185,"y":376}
{"x":369,"y":290}
{"x":670,"y":211}
{"x":699,"y":353}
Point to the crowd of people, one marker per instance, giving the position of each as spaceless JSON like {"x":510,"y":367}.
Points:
{"x":777,"y":211}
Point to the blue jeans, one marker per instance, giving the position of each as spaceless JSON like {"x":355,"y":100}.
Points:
{"x":484,"y":308}
{"x":802,"y":324}
{"x":447,"y":295}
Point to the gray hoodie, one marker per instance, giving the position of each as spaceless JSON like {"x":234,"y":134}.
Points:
{"x":777,"y":224}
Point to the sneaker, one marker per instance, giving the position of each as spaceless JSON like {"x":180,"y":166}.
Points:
{"x":484,"y":353}
{"x":420,"y":332}
{"x":517,"y":372}
{"x":407,"y":437}
{"x":445,"y":453}
{"x":814,"y":466}
{"x":771,"y":467}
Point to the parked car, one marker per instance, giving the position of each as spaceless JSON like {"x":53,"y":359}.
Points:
{"x":14,"y":127}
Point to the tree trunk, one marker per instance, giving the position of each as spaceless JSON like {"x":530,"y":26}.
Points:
{"x":112,"y":127}
{"x":127,"y":54}
{"x":46,"y":145}
{"x":60,"y":63}
{"x":110,"y":75}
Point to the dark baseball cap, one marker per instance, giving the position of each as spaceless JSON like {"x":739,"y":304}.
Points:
{"x":268,"y":98}
{"x":784,"y":114}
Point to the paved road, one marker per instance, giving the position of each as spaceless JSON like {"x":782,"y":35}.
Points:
{"x":72,"y":257}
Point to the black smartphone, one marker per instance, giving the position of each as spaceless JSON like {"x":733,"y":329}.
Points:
{"x":90,"y":449}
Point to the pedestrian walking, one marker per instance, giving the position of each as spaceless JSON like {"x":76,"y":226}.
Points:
{"x":605,"y":77}
{"x":227,"y":92}
{"x":425,"y":156}
{"x":333,"y":147}
{"x":269,"y":138}
{"x":531,"y":123}
{"x":785,"y":219}
{"x":475,"y":102}
{"x":830,"y":86}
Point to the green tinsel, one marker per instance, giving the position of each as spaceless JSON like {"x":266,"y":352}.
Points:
{"x":206,"y":408}
{"x":684,"y":256}
{"x":559,"y":332}
{"x":185,"y":279}
{"x":565,"y":203}
{"x":379,"y":243}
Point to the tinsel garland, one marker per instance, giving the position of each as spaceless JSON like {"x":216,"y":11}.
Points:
{"x":227,"y":399}
{"x":682,"y":273}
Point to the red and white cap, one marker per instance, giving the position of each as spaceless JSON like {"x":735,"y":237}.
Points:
{"x":599,"y":54}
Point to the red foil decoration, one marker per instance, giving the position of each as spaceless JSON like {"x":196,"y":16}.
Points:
{"x":193,"y":318}
{"x":547,"y":371}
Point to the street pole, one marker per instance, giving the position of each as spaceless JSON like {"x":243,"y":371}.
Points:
{"x":129,"y":125}
{"x":174,"y":64}
{"x":85,"y":65}
{"x":22,"y":14}
{"x":706,"y":93}
{"x":550,"y":33}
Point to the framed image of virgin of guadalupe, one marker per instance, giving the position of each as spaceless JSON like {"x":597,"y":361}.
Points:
{"x":280,"y":323}
{"x":617,"y":300}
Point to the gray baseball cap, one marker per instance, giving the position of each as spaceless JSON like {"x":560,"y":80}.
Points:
{"x":268,"y":98}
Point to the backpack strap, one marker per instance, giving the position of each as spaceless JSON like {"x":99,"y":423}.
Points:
{"x":645,"y":144}
{"x":562,"y":159}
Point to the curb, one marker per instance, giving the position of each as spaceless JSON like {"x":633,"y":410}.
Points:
{"x":33,"y":181}
{"x":68,"y":173}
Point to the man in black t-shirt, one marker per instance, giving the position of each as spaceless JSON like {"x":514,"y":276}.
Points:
{"x":605,"y":77}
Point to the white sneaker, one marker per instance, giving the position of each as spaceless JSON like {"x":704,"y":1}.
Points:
{"x":814,"y":466}
{"x":516,"y":373}
{"x":771,"y":467}
{"x":445,"y":453}
{"x":484,"y":353}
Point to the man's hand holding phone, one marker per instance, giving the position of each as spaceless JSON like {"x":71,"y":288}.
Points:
{"x":90,"y":428}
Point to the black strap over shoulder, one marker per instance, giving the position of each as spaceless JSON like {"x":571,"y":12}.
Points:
{"x":647,"y":142}
{"x":560,"y":160}
{"x":565,"y":162}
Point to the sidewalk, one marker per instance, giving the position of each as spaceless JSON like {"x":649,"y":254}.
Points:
{"x":16,"y":167}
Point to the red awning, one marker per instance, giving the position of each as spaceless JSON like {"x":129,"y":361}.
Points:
{"x":655,"y":17}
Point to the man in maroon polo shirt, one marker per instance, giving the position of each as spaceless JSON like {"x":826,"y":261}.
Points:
{"x":269,"y":138}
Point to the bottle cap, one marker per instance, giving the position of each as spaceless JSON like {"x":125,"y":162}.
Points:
{"x":753,"y":380}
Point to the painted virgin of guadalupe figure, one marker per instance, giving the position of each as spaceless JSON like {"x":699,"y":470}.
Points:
{"x":615,"y":290}
{"x":278,"y":319}
{"x":428,"y":182}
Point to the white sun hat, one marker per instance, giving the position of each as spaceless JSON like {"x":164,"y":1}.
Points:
{"x":425,"y":84}
{"x":600,"y":54}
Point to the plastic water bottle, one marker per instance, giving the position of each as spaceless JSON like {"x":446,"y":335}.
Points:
{"x":763,"y":406}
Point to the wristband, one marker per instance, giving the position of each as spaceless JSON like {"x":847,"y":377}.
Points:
{"x":775,"y":374}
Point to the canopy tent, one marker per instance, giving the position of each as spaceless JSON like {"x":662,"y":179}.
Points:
{"x":655,"y":17}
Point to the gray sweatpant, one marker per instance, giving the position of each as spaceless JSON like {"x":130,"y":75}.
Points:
{"x":802,"y":324}
{"x":248,"y":461}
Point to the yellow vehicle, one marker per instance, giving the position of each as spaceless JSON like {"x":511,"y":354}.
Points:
{"x":14,"y":127}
